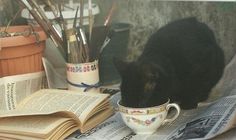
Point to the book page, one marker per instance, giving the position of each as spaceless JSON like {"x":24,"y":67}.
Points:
{"x":112,"y":129}
{"x":48,"y":101}
{"x":4,"y":136}
{"x":35,"y":126}
{"x":93,"y":121}
{"x":13,"y":89}
{"x":64,"y":132}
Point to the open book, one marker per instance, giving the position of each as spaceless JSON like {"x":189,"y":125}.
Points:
{"x":54,"y":114}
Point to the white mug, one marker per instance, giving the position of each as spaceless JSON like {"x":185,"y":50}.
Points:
{"x":83,"y":77}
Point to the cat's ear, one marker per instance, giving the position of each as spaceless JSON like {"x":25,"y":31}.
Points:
{"x":120,"y":64}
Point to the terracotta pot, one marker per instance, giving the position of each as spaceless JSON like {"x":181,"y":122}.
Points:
{"x":20,"y":54}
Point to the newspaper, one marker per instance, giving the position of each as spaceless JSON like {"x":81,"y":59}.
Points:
{"x":56,"y":77}
{"x":210,"y":119}
{"x":205,"y":122}
{"x":15,"y":88}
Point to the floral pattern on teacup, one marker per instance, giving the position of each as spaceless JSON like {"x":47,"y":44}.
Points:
{"x":146,"y":122}
{"x":141,"y":111}
{"x":137,"y":112}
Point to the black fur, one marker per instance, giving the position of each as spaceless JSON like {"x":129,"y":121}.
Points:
{"x":181,"y":61}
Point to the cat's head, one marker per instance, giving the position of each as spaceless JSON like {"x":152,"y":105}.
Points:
{"x":140,"y":85}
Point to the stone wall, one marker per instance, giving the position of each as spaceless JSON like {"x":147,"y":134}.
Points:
{"x":147,"y":16}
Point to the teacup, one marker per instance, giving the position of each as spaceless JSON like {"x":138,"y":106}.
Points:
{"x":147,"y":120}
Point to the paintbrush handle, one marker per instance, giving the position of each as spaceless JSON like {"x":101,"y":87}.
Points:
{"x":75,"y":18}
{"x":43,"y":21}
{"x":85,"y":45}
{"x":52,"y":29}
{"x":111,"y":11}
{"x":36,"y":12}
{"x":63,"y":31}
{"x":73,"y":40}
{"x":53,"y":9}
{"x":90,"y":11}
{"x":81,"y":13}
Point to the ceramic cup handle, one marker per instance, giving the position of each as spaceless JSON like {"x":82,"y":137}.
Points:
{"x":176,"y":106}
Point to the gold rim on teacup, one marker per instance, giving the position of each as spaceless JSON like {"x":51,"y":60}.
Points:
{"x":142,"y":111}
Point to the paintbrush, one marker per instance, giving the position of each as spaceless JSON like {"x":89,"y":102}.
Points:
{"x":42,"y":20}
{"x":74,"y":41}
{"x":51,"y":27}
{"x":84,"y":50}
{"x":90,"y":18}
{"x":80,"y":26}
{"x":85,"y":45}
{"x":52,"y":8}
{"x":110,"y":13}
{"x":99,"y":35}
{"x":63,"y":31}
{"x":73,"y":56}
{"x":81,"y":13}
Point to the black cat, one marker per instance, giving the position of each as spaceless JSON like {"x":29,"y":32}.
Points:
{"x":181,"y":61}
